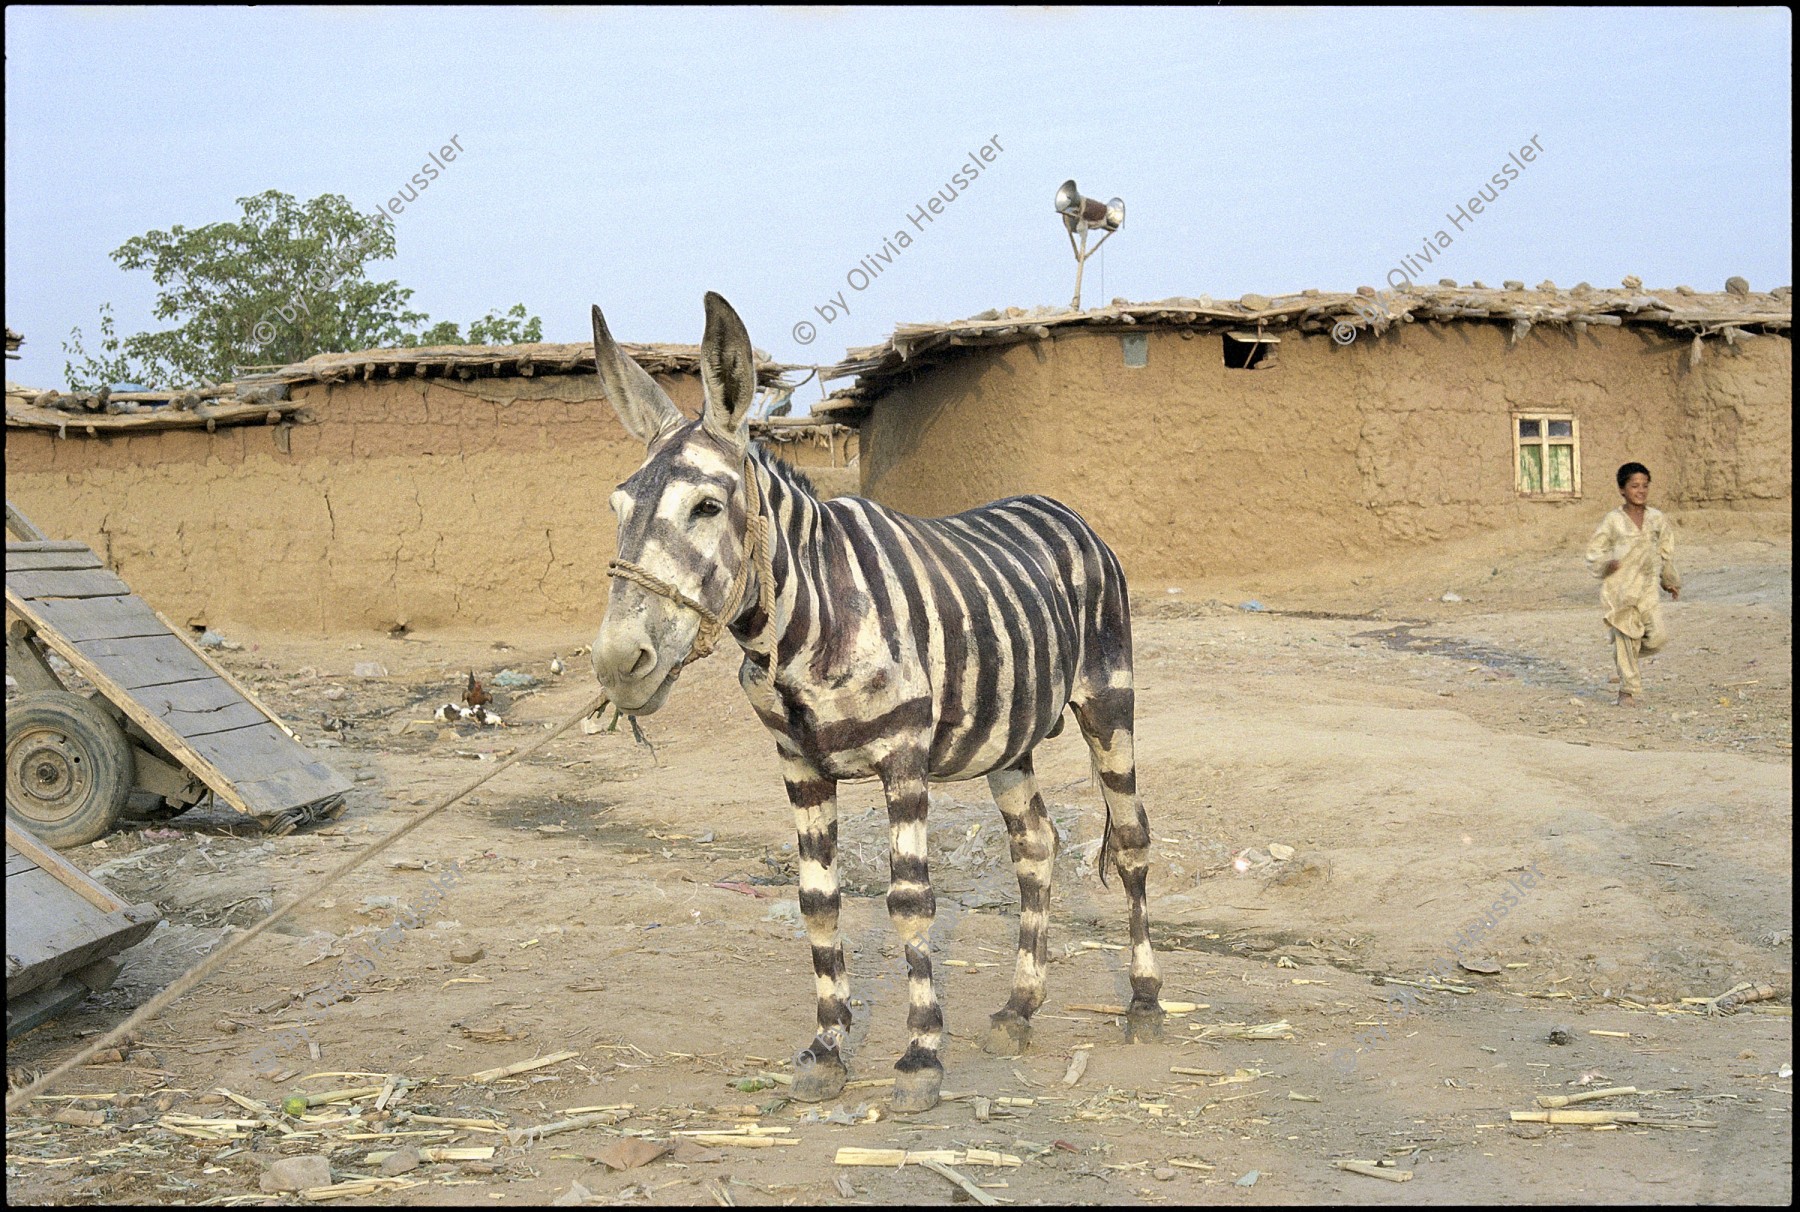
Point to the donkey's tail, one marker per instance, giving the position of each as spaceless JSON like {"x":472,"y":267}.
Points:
{"x":1104,"y":856}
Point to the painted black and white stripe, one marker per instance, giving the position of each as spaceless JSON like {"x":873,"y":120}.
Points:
{"x":907,"y":649}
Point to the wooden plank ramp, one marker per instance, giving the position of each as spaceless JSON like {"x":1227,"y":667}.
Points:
{"x":153,"y":672}
{"x":62,"y":928}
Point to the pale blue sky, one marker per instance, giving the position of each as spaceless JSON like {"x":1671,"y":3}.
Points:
{"x":638,"y":158}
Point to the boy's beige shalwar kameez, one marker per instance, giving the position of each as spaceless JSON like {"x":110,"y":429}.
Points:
{"x":1628,"y":598}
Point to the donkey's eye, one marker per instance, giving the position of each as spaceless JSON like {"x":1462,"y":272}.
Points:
{"x":708,"y":507}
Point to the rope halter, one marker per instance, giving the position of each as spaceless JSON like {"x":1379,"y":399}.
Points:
{"x":758,"y":555}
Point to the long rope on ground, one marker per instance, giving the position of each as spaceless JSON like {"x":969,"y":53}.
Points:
{"x":16,"y":1100}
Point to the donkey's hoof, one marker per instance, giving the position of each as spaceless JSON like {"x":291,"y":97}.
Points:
{"x":1008,"y":1034}
{"x":917,"y":1090}
{"x":1143,"y":1022}
{"x":818,"y":1081}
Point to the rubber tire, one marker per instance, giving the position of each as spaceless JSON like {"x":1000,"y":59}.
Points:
{"x":83,"y":749}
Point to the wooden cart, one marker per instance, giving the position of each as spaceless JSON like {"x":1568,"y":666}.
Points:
{"x":164,"y":720}
{"x":62,"y":930}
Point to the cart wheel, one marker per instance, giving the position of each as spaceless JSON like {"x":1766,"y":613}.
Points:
{"x":69,"y":767}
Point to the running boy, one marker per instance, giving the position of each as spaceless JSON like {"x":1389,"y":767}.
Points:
{"x":1633,"y":552}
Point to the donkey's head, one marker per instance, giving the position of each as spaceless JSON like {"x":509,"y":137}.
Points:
{"x":684,"y":559}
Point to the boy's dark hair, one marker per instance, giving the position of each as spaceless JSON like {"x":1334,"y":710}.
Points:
{"x":1632,"y":469}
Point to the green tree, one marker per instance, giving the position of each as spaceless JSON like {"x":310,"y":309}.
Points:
{"x":108,"y":368}
{"x":284,"y":282}
{"x":511,"y":328}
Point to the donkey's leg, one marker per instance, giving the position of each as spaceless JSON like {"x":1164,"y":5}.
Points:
{"x":1033,"y":843}
{"x":819,"y":1070}
{"x":1105,"y":719}
{"x":911,"y":907}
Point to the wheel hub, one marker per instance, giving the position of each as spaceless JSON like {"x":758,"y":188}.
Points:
{"x":51,"y":770}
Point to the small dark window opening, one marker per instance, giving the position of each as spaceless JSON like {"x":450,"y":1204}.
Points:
{"x":1245,"y":351}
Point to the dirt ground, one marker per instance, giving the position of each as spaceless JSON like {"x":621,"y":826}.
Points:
{"x":1411,"y":761}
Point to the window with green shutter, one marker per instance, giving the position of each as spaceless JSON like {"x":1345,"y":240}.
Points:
{"x":1547,"y":455}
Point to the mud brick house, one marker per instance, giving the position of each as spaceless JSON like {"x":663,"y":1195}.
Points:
{"x":442,"y":486}
{"x":1204,"y":436}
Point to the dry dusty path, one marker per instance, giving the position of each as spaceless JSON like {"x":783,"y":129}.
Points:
{"x":1408,"y":758}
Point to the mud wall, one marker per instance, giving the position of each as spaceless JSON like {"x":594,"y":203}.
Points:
{"x":1188,"y":468}
{"x":413,"y":501}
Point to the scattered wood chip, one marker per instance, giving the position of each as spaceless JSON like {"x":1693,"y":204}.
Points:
{"x":356,"y":1188}
{"x":852,"y":1155}
{"x":598,"y":1120}
{"x":334,"y":1096}
{"x":741,"y":1142}
{"x":1077,"y":1066}
{"x":1373,"y":1170}
{"x":1176,"y":1008}
{"x":1239,"y":1076}
{"x":488,"y":1075}
{"x":975,"y":1193}
{"x":1437,"y":986}
{"x":1598,"y":1118}
{"x":456,"y":1121}
{"x":1552,"y":1101}
{"x":431,"y":1153}
{"x":1264,"y":1031}
{"x":743,"y":1130}
{"x":1728,"y":1001}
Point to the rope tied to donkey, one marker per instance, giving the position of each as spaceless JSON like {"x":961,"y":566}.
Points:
{"x":759,"y":556}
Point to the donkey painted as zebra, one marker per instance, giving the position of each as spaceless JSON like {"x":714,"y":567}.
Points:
{"x":876,"y":644}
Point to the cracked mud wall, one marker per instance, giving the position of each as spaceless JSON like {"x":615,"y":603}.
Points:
{"x":1189,"y":469}
{"x":421,"y":501}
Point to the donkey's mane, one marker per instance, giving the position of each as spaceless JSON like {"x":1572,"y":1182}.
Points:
{"x":783,"y":470}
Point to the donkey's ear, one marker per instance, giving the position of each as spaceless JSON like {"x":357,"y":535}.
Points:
{"x":727,"y":372}
{"x":644,"y":408}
